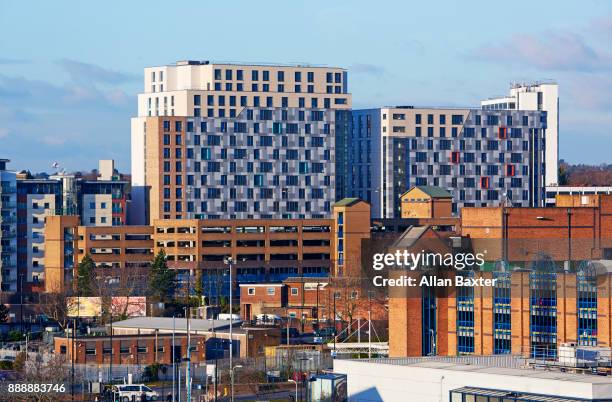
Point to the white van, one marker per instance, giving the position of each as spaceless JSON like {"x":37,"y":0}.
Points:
{"x":125,"y":393}
{"x":228,"y":317}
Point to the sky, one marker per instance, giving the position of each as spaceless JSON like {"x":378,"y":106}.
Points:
{"x":70,"y":70}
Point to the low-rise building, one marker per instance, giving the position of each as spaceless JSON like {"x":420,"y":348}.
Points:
{"x":248,"y":341}
{"x":487,"y":379}
{"x":426,"y":202}
{"x":553,"y":192}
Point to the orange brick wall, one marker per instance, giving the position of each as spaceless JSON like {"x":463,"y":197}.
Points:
{"x":405,"y":317}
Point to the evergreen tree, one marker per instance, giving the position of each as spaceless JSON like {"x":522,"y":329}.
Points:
{"x":162,"y":280}
{"x":4,"y":313}
{"x":86,"y":277}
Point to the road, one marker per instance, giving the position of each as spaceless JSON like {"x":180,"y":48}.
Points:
{"x":273,"y":396}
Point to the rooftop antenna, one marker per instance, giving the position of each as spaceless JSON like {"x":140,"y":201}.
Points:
{"x":56,"y":165}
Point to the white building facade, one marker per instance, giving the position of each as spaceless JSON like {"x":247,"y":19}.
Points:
{"x":542,"y":96}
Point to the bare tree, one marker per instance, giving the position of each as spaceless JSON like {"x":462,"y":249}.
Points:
{"x":43,"y":372}
{"x":125,"y":285}
{"x":57,"y":307}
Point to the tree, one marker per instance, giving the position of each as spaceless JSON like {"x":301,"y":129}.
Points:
{"x":4,"y":313}
{"x":162,"y":280}
{"x":563,"y":175}
{"x":86,"y":277}
{"x":40,"y":370}
{"x":57,"y":307}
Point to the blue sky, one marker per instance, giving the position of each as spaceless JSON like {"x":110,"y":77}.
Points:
{"x":70,"y":70}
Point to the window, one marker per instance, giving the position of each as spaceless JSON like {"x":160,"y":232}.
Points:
{"x":294,"y":291}
{"x":251,"y":291}
{"x":271,"y":291}
{"x":457,"y":119}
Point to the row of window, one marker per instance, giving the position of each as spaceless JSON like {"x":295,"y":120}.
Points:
{"x":207,"y":154}
{"x":262,"y":167}
{"x":264,"y":192}
{"x":243,"y":206}
{"x":271,"y":291}
{"x":256,"y":101}
{"x":468,"y":132}
{"x":243,"y":229}
{"x":330,"y":89}
{"x":469,"y":157}
{"x":489,"y":145}
{"x":458,"y":119}
{"x":265,"y":75}
{"x":490,"y":170}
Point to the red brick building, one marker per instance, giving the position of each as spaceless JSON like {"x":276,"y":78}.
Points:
{"x":554,"y":285}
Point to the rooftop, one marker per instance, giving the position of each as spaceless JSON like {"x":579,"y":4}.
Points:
{"x":498,"y":364}
{"x":432,"y":191}
{"x":484,"y":392}
{"x":247,"y":63}
{"x":178,"y":324}
{"x":321,"y":280}
{"x":347,"y":202}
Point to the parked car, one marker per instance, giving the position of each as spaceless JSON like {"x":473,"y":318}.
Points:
{"x":293,"y":332}
{"x":125,"y":392}
{"x":327,"y":332}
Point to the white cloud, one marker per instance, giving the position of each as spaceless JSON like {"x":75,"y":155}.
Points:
{"x":559,"y":51}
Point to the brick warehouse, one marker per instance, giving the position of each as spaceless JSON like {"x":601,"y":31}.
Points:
{"x":564,"y":297}
{"x":502,"y":319}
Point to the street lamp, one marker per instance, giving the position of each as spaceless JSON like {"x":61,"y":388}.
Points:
{"x":230,"y":262}
{"x":296,"y":387}
{"x":237,"y":366}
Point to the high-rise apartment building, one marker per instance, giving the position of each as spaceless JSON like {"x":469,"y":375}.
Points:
{"x":542,"y":96}
{"x":8,"y":226}
{"x":482,"y":157}
{"x":99,"y":201}
{"x":26,"y":204}
{"x":220,"y":140}
{"x":37,"y":199}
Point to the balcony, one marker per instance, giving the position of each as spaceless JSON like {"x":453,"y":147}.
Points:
{"x":8,"y":219}
{"x":8,"y":190}
{"x":7,"y":205}
{"x":7,"y":234}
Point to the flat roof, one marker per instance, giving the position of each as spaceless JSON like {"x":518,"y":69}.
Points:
{"x":254,"y":285}
{"x":505,"y":365}
{"x":178,"y":324}
{"x":245,"y":64}
{"x":513,"y":394}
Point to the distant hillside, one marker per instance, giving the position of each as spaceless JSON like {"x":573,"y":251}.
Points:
{"x":585,"y":175}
